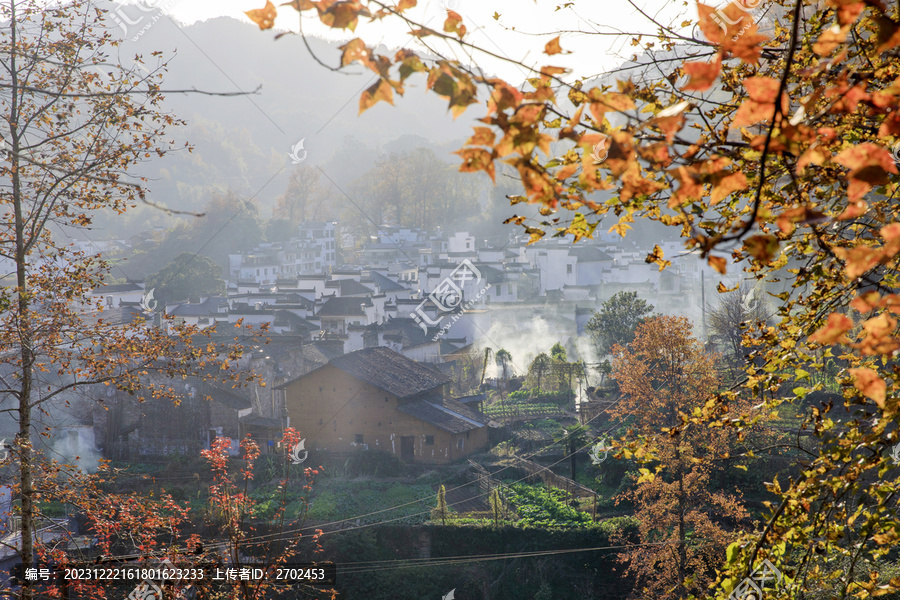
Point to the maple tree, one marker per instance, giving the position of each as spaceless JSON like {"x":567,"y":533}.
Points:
{"x":663,"y":375}
{"x":234,"y":509}
{"x":155,"y":527}
{"x":768,"y":146}
{"x":74,"y":122}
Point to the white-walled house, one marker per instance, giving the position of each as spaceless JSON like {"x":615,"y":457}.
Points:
{"x":461,"y":242}
{"x":116,"y":295}
{"x":556,"y":266}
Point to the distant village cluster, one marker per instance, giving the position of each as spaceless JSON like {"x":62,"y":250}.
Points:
{"x":362,"y":344}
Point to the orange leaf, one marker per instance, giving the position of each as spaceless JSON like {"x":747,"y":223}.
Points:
{"x":454,"y":24}
{"x":264,"y":17}
{"x":853,"y":210}
{"x":566,"y":171}
{"x":762,"y":89}
{"x":528,"y":114}
{"x":751,"y":112}
{"x":727,"y":185}
{"x":814,"y":155}
{"x":879,"y":337}
{"x":709,"y":23}
{"x":380,"y":91}
{"x":354,"y":50}
{"x":866,"y":302}
{"x":858,"y":260}
{"x":869,"y":165}
{"x":604,"y":103}
{"x":762,"y":247}
{"x":476,"y":159}
{"x":870,"y":384}
{"x":552,"y":47}
{"x":848,"y":10}
{"x":718,"y":263}
{"x":702,"y":74}
{"x":890,"y":233}
{"x":484,"y":136}
{"x":830,"y":39}
{"x":746,"y":44}
{"x":300,"y":4}
{"x":833,"y":331}
{"x":340,"y":15}
{"x":405,"y":4}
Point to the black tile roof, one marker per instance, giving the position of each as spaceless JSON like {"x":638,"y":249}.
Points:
{"x":389,"y":371}
{"x":229,"y":398}
{"x":118,"y":287}
{"x":406,"y":331}
{"x":386,"y":284}
{"x":473,"y":398}
{"x":206,"y":308}
{"x":320,"y":353}
{"x":343,"y":307}
{"x":349,"y":287}
{"x":448,"y":414}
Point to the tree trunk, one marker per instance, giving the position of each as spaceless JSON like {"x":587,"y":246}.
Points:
{"x":23,"y":443}
{"x":682,"y":549}
{"x":572,"y":457}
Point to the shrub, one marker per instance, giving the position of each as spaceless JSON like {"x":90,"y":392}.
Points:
{"x":364,"y":462}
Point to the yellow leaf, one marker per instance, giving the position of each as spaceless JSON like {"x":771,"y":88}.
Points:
{"x":718,"y":263}
{"x":454,"y":24}
{"x":264,"y":17}
{"x":300,"y":4}
{"x":552,"y":47}
{"x":762,"y":247}
{"x":380,"y":91}
{"x":656,"y":257}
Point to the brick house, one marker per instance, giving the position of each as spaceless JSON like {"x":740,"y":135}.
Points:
{"x":379,"y":399}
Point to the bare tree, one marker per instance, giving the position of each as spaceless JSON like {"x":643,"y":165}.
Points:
{"x":733,"y":314}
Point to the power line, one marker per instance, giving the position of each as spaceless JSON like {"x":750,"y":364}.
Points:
{"x":396,"y":564}
{"x":284,"y":535}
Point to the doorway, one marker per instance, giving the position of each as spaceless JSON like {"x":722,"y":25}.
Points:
{"x":407,"y":448}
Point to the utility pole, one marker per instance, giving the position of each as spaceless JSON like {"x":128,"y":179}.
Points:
{"x":703,"y":301}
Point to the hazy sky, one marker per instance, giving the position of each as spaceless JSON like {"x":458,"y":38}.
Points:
{"x":592,"y":53}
